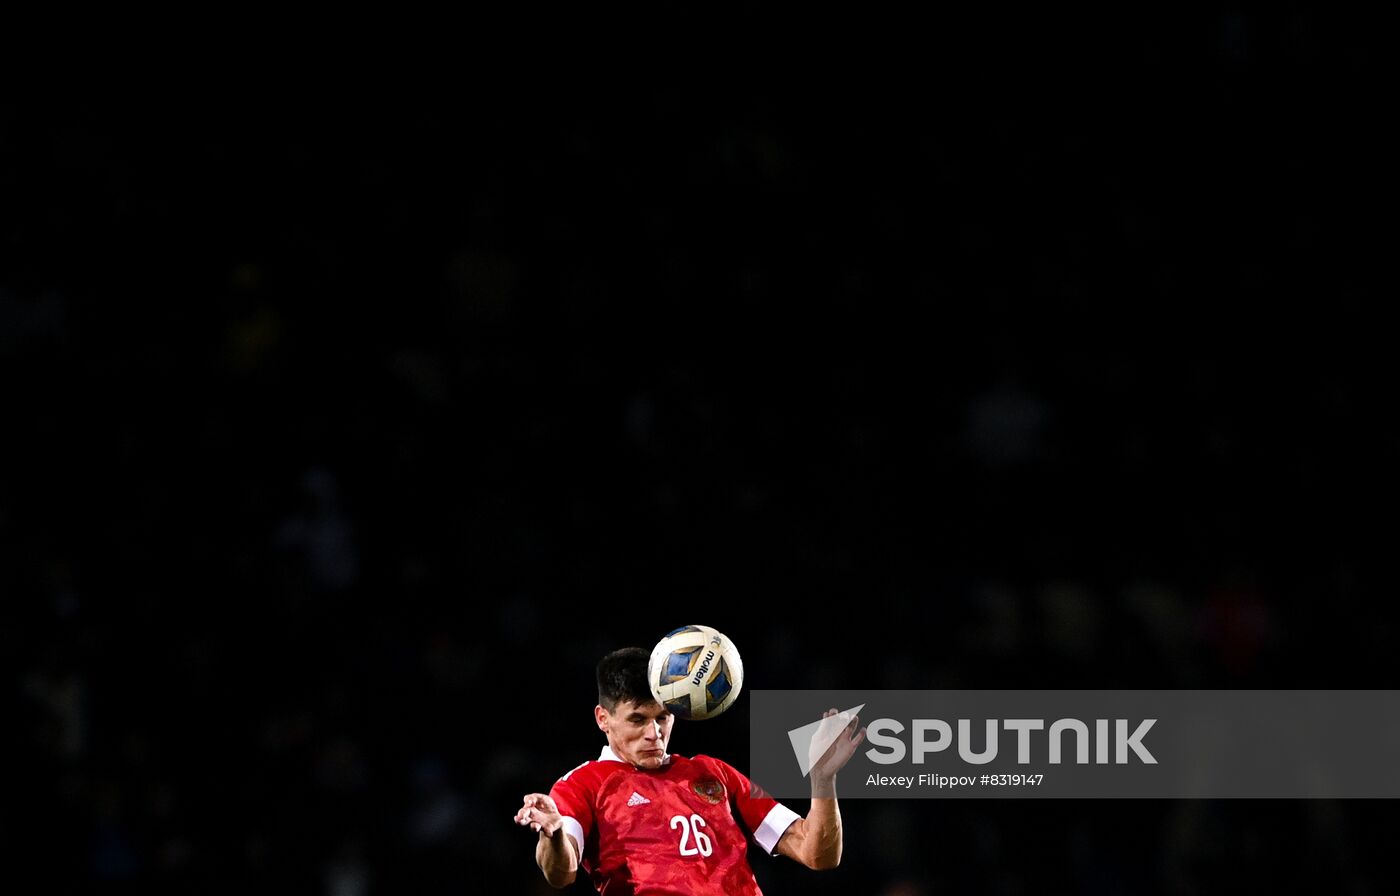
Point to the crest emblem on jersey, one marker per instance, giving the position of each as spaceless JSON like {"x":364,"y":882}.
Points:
{"x":709,"y":789}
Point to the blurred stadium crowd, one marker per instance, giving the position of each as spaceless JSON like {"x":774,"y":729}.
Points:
{"x":347,"y":431}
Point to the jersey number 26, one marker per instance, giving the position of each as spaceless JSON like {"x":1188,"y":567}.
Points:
{"x":689,"y":826}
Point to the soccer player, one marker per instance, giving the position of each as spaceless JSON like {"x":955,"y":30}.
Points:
{"x":642,"y":820}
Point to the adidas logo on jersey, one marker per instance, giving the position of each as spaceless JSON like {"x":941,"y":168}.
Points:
{"x":636,"y":799}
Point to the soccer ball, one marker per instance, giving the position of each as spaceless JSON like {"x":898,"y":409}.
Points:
{"x":695,"y":672}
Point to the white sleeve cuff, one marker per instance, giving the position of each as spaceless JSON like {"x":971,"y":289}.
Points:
{"x":571,"y":826}
{"x":775,"y":824}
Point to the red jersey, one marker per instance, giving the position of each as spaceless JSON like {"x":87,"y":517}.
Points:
{"x":672,"y":830}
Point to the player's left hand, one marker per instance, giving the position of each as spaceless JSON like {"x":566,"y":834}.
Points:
{"x":539,"y":814}
{"x":825,"y":767}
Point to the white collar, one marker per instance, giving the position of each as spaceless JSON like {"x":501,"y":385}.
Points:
{"x":609,"y":756}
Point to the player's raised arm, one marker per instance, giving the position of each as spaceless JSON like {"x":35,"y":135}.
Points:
{"x":816,"y":840}
{"x":556,"y":852}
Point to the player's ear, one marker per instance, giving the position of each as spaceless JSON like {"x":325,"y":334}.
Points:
{"x":600,"y":715}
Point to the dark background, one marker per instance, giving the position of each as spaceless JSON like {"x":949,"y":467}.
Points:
{"x":349,"y":422}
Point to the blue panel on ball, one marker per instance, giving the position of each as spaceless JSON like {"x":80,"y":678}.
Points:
{"x":719,"y":688}
{"x":679,"y":663}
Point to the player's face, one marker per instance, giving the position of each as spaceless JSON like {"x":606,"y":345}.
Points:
{"x":637,"y":733}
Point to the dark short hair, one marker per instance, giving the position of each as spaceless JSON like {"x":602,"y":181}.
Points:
{"x":622,"y":676}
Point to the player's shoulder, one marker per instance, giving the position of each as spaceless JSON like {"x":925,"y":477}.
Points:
{"x":713,"y":763}
{"x":591,"y":772}
{"x":737,"y":782}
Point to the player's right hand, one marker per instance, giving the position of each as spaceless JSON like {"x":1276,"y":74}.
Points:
{"x":540,"y":814}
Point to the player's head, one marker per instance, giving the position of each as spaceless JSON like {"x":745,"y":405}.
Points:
{"x":636,"y":726}
{"x":622,"y":676}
